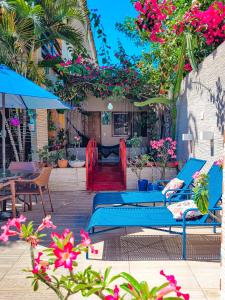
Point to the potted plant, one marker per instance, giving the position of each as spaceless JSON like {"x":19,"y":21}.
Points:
{"x":43,"y":155}
{"x":135,"y":144}
{"x":137,"y":164}
{"x":164,"y":152}
{"x":74,"y":162}
{"x":62,"y":160}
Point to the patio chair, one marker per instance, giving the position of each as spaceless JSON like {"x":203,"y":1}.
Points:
{"x":159,"y":217}
{"x":130,"y":198}
{"x":35,"y":187}
{"x":9,"y":195}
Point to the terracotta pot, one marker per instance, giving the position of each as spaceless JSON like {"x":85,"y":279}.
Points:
{"x":62,"y":163}
{"x":52,"y":134}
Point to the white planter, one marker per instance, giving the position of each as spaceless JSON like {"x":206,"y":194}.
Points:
{"x":76,"y":163}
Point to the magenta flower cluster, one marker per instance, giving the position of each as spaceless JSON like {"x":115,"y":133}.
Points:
{"x":14,"y":122}
{"x":165,"y":148}
{"x":152,"y":15}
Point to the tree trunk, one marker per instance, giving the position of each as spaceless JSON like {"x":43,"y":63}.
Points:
{"x":12,"y":141}
{"x":24,"y":132}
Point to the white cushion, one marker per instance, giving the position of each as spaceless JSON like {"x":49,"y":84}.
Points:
{"x":172,"y":185}
{"x":178,"y":209}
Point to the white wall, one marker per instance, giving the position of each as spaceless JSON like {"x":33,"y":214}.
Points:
{"x":201,"y":107}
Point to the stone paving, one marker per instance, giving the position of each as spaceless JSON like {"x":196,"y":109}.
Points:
{"x":142,"y":252}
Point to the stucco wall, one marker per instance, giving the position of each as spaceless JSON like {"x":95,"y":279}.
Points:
{"x":201,"y":108}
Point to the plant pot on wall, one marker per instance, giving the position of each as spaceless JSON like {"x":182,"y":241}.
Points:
{"x":62,"y":163}
{"x":143,"y":185}
{"x":76,"y":163}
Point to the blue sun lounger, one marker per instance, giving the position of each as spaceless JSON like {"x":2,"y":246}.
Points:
{"x":128,"y":198}
{"x":158,"y":218}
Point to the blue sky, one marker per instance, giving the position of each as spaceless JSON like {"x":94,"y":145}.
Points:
{"x":113,"y":11}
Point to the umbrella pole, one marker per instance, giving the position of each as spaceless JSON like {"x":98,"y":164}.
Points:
{"x":3,"y":134}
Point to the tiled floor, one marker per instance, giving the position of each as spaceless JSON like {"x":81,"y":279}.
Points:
{"x":139,"y":251}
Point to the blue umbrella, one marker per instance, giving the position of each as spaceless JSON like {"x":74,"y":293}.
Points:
{"x":18,"y":92}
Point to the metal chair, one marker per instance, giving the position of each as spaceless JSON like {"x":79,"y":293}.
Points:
{"x":35,"y":187}
{"x":10,"y":195}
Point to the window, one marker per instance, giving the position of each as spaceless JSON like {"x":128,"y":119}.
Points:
{"x":120,"y":124}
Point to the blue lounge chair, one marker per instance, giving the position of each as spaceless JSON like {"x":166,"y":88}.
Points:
{"x":128,"y":198}
{"x":158,"y":217}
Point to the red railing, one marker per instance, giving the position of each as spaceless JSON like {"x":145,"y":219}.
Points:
{"x":91,"y":162}
{"x":123,"y":162}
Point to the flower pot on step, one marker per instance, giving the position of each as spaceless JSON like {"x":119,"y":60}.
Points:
{"x":76,"y":163}
{"x":142,"y":185}
{"x":62,"y":163}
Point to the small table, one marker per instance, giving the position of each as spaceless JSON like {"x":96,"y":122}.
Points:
{"x":12,"y":175}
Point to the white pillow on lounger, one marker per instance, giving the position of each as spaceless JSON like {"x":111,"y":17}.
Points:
{"x":175,"y":183}
{"x":178,"y":209}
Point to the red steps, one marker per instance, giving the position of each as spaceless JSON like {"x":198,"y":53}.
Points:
{"x":107,"y":177}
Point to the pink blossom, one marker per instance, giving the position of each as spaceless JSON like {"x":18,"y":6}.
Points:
{"x":7,"y":231}
{"x":115,"y":296}
{"x":61,"y":237}
{"x":85,"y":238}
{"x":65,"y":256}
{"x":15,"y":122}
{"x":196,"y":175}
{"x":219,"y":163}
{"x":46,"y":223}
{"x":171,"y":287}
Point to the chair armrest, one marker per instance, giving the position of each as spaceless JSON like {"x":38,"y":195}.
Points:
{"x":3,"y":185}
{"x":182,"y":192}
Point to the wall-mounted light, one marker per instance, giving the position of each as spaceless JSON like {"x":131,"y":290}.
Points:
{"x":206,"y":135}
{"x":188,"y":137}
{"x":110,"y":106}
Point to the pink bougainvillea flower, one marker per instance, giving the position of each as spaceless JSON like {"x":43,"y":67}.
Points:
{"x":65,"y":256}
{"x":115,"y":296}
{"x":219,"y":163}
{"x":46,"y":223}
{"x":15,"y":122}
{"x":187,"y":67}
{"x":171,"y":287}
{"x":86,"y":241}
{"x":196,"y":175}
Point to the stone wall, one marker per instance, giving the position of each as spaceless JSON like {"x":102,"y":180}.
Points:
{"x":201,"y":108}
{"x":74,"y":179}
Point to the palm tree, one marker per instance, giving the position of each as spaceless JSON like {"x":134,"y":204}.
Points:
{"x":25,"y":27}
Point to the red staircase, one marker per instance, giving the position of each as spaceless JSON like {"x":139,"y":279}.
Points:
{"x":105,"y":176}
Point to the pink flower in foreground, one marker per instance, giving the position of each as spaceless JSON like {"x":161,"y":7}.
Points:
{"x":115,"y":296}
{"x":61,"y":237}
{"x":7,"y":231}
{"x":171,"y":287}
{"x":41,"y":266}
{"x":65,"y":256}
{"x":86,"y":241}
{"x":46,"y":223}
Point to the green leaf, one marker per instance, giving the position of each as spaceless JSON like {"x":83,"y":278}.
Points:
{"x":157,"y":100}
{"x":134,"y":283}
{"x":106,"y":274}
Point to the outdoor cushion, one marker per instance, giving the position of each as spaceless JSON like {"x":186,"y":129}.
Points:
{"x":174,"y":184}
{"x":178,"y":209}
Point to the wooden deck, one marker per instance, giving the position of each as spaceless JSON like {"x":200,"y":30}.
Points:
{"x":139,"y":251}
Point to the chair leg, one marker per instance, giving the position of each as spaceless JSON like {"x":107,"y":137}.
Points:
{"x":42,"y":200}
{"x":24,"y":203}
{"x":184,"y":244}
{"x":13,"y":192}
{"x":30,"y":201}
{"x":50,"y":198}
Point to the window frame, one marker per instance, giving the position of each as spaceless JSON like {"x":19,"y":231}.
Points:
{"x":113,"y":124}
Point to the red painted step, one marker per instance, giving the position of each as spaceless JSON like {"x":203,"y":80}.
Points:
{"x":108,"y":177}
